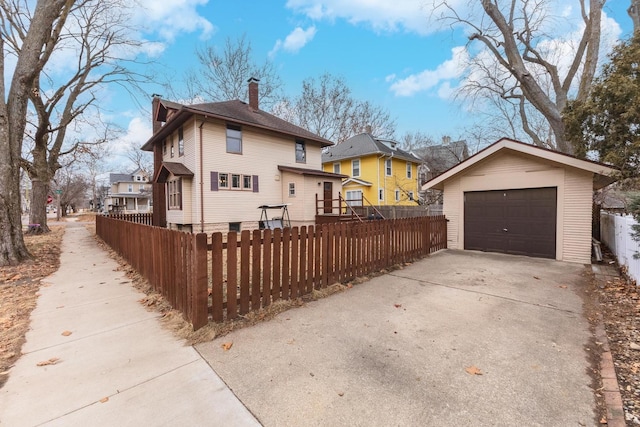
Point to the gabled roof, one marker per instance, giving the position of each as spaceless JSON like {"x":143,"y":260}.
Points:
{"x":357,"y":182}
{"x":235,"y":111}
{"x":310,"y":172}
{"x":120,"y":177}
{"x":602,"y":173}
{"x":365,"y":144}
{"x":175,"y":169}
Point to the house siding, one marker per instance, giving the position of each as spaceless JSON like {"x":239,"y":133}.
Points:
{"x":262,"y":153}
{"x":372,"y":169}
{"x":514,"y":171}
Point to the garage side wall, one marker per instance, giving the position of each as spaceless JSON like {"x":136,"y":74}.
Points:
{"x":514,"y":171}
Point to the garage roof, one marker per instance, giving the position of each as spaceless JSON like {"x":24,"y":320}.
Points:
{"x":601,"y":178}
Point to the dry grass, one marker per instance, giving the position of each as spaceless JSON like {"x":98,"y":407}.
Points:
{"x":19,"y":287}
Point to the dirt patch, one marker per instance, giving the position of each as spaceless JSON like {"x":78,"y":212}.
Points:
{"x":19,"y":287}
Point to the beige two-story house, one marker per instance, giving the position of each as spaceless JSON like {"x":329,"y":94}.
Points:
{"x":128,"y":193}
{"x":216,"y":163}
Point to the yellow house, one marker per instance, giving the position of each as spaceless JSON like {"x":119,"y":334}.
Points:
{"x":379,"y":173}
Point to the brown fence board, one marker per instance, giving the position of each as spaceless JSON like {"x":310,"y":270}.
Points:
{"x":245,"y":271}
{"x":232,"y":275}
{"x":217,"y":274}
{"x":277,"y":262}
{"x":256,"y":246}
{"x":266,"y":269}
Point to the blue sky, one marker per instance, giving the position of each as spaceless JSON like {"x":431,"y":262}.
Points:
{"x":392,"y":54}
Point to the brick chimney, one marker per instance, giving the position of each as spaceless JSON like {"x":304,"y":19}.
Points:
{"x":253,"y":93}
{"x":156,"y":125}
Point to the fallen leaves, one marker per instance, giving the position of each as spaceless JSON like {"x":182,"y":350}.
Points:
{"x":51,"y":361}
{"x":66,"y":333}
{"x":227,"y":345}
{"x":104,"y":400}
{"x":473,"y":370}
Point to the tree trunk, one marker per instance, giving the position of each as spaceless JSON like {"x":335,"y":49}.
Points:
{"x":38,"y":213}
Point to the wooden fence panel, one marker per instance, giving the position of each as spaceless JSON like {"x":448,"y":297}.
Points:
{"x":264,"y":266}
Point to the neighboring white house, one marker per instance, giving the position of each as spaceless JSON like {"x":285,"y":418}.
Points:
{"x":128,"y":193}
{"x":216,"y":163}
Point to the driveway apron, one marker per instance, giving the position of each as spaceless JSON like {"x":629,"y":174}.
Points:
{"x":459,"y":338}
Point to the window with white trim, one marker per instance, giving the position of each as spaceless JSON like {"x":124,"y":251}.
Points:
{"x":246,"y":182}
{"x":223,"y":180}
{"x":355,"y":167}
{"x":411,"y":196}
{"x":336,"y":167}
{"x":380,"y":194}
{"x":387,"y":167}
{"x":174,"y":189}
{"x":397,"y":195}
{"x":130,"y":189}
{"x":292,"y":189}
{"x":409,"y":171}
{"x":235,"y":180}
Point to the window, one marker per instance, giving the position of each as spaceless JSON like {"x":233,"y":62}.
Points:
{"x":234,"y":139}
{"x":223,"y":180}
{"x":141,"y":188}
{"x":175,"y":193}
{"x":292,"y":189}
{"x":336,"y":168}
{"x":130,"y":188}
{"x":355,"y":167}
{"x":234,"y":226}
{"x":409,"y":174}
{"x":235,"y":180}
{"x":301,"y":152}
{"x":411,"y":195}
{"x":138,"y":178}
{"x":354,"y":197}
{"x":387,"y":167}
{"x":164,"y":147}
{"x":180,"y":142}
{"x":172,"y":151}
{"x":397,"y":195}
{"x":380,"y":194}
{"x":246,"y":182}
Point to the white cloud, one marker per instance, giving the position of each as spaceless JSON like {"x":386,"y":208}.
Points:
{"x":427,"y":79}
{"x":169,"y":19}
{"x":295,"y":41}
{"x":381,"y":15}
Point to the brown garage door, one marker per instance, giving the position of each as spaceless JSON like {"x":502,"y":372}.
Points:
{"x":520,"y":222}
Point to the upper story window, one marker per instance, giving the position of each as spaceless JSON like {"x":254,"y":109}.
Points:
{"x":387,"y":167}
{"x":409,"y":171}
{"x":234,"y":139}
{"x":164,"y":147}
{"x":130,"y":189}
{"x":292,"y":189}
{"x":301,"y":152}
{"x":223,"y":180}
{"x":397,"y":195}
{"x":246,"y":182}
{"x":336,"y":167}
{"x":180,"y":142}
{"x":355,"y":167}
{"x":172,"y":150}
{"x":235,"y":180}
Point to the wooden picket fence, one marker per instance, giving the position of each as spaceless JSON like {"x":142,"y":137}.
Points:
{"x":140,"y":218}
{"x":222,"y":276}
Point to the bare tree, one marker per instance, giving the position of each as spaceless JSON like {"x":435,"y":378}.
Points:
{"x":222,"y":76}
{"x":327,"y":108}
{"x":37,"y":43}
{"x":73,"y":186}
{"x":521,"y":65}
{"x":97,"y":32}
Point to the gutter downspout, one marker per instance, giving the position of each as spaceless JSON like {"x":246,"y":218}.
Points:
{"x":201,"y":181}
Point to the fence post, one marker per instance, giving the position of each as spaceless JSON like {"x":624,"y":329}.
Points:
{"x":199,"y":292}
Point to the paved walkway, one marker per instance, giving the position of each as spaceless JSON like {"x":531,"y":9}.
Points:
{"x":114,"y":363}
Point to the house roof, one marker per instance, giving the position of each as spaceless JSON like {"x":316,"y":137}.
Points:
{"x":176,"y":169}
{"x":357,"y":182}
{"x":120,"y":177}
{"x":444,"y":156}
{"x":364,"y":144}
{"x":310,"y":172}
{"x":602,"y":173}
{"x":233,"y":111}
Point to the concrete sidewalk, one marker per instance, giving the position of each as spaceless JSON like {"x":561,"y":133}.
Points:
{"x":117,"y":366}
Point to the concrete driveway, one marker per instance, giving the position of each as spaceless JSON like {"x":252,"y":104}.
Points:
{"x":406,"y":348}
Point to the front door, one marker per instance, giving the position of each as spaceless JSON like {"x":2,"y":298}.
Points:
{"x":328,"y":197}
